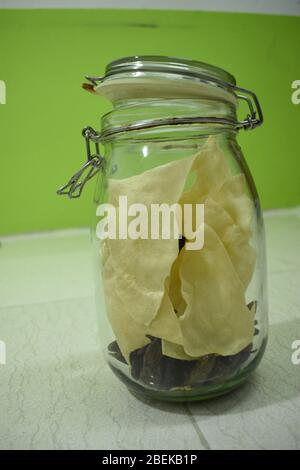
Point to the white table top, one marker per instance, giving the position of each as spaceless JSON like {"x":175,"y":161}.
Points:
{"x":57,"y":393}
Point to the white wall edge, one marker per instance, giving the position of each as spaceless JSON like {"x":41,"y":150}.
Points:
{"x":58,"y":233}
{"x":275,"y":7}
{"x":290,"y":211}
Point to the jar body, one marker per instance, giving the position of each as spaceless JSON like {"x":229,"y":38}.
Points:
{"x":180,"y":324}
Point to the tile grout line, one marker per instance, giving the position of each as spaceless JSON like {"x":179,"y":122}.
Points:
{"x":203,"y":441}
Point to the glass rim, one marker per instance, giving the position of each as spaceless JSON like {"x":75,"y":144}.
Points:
{"x":168,"y":64}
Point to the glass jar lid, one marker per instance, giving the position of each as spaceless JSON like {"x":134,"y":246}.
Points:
{"x":141,"y":77}
{"x":165,"y":64}
{"x":170,"y":78}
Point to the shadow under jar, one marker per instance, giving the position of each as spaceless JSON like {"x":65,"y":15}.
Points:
{"x":182,"y":305}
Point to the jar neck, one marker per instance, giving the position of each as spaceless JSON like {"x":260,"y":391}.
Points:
{"x":148,"y":110}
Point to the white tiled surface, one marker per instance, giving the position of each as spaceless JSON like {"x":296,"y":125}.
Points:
{"x":57,"y":393}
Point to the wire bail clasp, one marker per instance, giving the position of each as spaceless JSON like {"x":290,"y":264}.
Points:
{"x":255,"y":116}
{"x":95,"y":162}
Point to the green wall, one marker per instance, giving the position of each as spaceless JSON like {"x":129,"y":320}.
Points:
{"x":44,"y":55}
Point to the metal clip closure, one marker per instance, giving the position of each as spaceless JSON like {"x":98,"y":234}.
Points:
{"x":255,"y":118}
{"x":95,"y":162}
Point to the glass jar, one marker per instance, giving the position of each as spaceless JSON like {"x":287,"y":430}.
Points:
{"x":178,"y":232}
